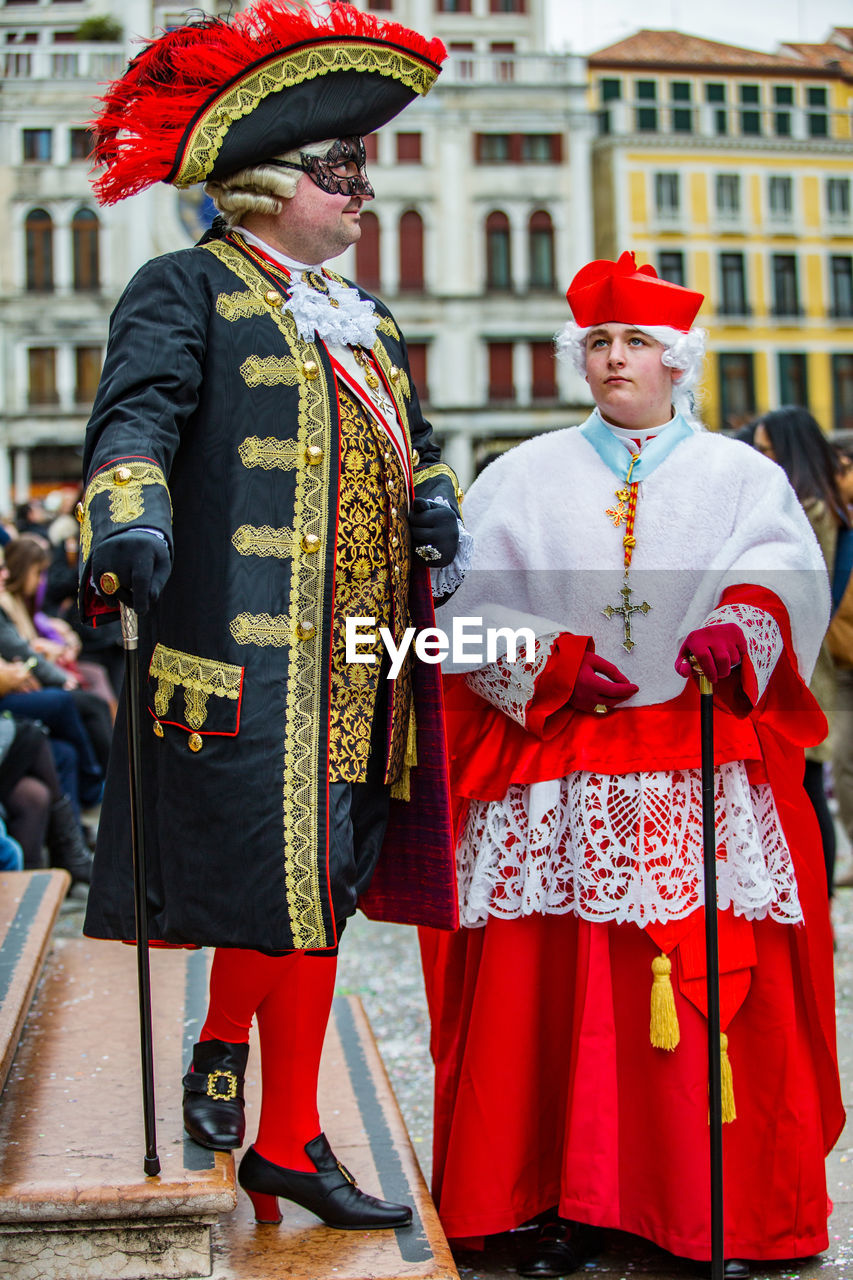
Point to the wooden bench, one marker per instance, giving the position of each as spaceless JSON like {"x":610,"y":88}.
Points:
{"x":29,"y":904}
{"x":74,"y":1201}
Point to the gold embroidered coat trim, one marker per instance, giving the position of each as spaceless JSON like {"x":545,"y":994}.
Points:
{"x":304,"y":691}
{"x":294,"y":67}
{"x":127,"y":499}
{"x":240,"y":306}
{"x":269,"y":452}
{"x":255,"y":540}
{"x":439,"y":469}
{"x":269,"y":371}
{"x":262,"y":629}
{"x":200,"y":679}
{"x":387,"y":326}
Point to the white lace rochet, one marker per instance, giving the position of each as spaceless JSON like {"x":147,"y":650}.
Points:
{"x":625,"y":848}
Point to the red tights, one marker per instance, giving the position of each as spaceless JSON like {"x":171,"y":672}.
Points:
{"x":291,"y":996}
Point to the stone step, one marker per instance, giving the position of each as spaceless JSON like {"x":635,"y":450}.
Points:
{"x":74,"y":1201}
{"x":29,"y":904}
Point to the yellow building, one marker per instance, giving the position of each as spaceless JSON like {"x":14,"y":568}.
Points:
{"x":730,"y":171}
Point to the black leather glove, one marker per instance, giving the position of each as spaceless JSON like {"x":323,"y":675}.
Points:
{"x":433,"y":525}
{"x":139,"y":560}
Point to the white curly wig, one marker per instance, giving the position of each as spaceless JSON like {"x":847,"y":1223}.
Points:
{"x":682,"y":351}
{"x":262,"y":187}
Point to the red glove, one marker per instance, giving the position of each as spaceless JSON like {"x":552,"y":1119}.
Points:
{"x":599,"y":684}
{"x":718,"y":649}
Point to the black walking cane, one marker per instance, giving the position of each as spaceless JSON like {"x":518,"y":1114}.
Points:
{"x":712,"y":964}
{"x":130,"y":639}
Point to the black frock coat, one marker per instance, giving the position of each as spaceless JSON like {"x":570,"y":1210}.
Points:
{"x":218,"y":427}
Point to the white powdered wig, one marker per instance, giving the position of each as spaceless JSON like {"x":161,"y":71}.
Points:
{"x":682,"y":351}
{"x":262,"y":187}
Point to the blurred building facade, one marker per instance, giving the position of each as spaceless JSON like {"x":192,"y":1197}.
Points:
{"x":482,"y":215}
{"x":730,"y":171}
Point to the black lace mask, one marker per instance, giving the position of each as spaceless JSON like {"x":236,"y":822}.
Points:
{"x":341,"y":172}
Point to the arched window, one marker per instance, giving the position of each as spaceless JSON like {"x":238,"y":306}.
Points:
{"x":541,"y":250}
{"x":412,"y":252}
{"x":498,"y":259}
{"x":39,"y":247}
{"x":86,"y":252}
{"x":367,"y":271}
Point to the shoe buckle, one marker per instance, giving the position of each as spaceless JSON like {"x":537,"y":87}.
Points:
{"x":222,"y":1095}
{"x":346,"y":1173}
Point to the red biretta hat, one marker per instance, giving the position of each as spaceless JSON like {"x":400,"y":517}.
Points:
{"x":627,"y":294}
{"x":213,"y":97}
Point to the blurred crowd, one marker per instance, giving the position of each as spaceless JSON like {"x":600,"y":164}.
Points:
{"x":58,"y":682}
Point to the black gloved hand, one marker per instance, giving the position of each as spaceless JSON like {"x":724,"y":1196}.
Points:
{"x":433,"y":525}
{"x":139,"y":560}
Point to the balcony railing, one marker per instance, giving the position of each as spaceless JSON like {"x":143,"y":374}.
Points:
{"x":98,"y":62}
{"x":543,"y":70}
{"x":721,"y":121}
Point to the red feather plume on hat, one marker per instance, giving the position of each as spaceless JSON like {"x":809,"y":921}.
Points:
{"x":147,"y":111}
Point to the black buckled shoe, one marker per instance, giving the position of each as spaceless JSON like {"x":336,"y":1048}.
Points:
{"x":735,"y":1269}
{"x":561,"y":1247}
{"x":331,"y":1193}
{"x":214,"y":1110}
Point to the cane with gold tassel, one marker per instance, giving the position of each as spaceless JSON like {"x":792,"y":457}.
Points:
{"x":712,"y":956}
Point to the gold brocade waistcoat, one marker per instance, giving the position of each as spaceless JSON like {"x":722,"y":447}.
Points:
{"x":371,"y":581}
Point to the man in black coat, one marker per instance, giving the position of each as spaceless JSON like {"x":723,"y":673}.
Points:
{"x":259,"y":475}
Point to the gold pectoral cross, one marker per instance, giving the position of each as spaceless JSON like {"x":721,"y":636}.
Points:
{"x":626,"y":609}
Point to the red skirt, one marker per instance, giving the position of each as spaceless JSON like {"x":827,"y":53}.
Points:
{"x":548,"y":1092}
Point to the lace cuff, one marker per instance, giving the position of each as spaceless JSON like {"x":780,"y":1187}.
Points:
{"x":450,"y":576}
{"x":509,"y":686}
{"x":763,"y":641}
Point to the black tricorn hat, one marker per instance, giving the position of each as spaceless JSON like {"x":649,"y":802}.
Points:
{"x":211,"y":98}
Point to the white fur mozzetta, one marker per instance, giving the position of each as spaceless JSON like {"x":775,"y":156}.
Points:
{"x":713,"y":514}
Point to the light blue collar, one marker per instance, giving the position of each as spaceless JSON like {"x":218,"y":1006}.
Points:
{"x":612,"y":452}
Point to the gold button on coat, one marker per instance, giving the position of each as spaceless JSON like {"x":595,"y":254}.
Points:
{"x":273,"y":297}
{"x":311,"y":369}
{"x":305,"y":629}
{"x":158,"y":729}
{"x":394,"y":373}
{"x":122,"y":475}
{"x":313,"y":455}
{"x":78,"y":511}
{"x":195,"y":742}
{"x":416,"y":457}
{"x":310,"y":542}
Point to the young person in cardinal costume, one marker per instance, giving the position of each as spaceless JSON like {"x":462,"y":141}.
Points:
{"x":258,"y":469}
{"x":569,"y":1013}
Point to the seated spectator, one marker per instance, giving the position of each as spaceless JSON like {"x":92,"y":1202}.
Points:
{"x":31,"y":516}
{"x":47,"y":675}
{"x":39,"y":819}
{"x":27,"y":560}
{"x":80,"y":775}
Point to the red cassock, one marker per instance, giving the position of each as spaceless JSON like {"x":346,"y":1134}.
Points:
{"x":548,"y":1089}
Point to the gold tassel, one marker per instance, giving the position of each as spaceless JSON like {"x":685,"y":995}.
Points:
{"x":727,"y":1087}
{"x":412,"y":739}
{"x":401,"y":789}
{"x":664,"y":1031}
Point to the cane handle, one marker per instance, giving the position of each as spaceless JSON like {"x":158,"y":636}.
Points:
{"x":129,"y":626}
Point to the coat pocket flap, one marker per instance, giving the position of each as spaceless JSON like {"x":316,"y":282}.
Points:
{"x":198,"y":694}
